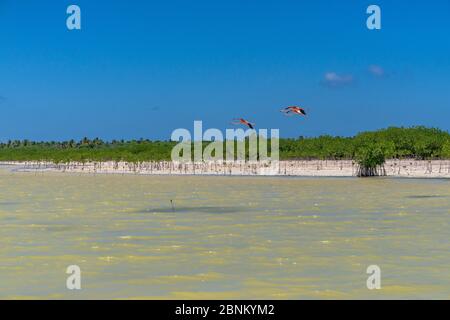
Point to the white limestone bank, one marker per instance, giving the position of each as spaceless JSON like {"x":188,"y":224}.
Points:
{"x":307,"y":168}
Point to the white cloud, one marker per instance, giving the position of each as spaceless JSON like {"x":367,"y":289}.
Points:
{"x":376,"y":70}
{"x":332,"y":79}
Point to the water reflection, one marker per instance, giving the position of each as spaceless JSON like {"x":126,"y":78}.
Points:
{"x":202,"y":209}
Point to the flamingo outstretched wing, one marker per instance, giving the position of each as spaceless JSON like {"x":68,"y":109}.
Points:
{"x":291,"y":110}
{"x":243,"y":122}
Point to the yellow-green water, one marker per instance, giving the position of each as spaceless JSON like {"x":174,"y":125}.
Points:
{"x":229,"y":237}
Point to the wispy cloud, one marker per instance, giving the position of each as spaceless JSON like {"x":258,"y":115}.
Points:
{"x":376,"y":70}
{"x":334,"y":80}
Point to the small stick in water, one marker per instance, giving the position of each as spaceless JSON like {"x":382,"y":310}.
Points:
{"x":171,"y":203}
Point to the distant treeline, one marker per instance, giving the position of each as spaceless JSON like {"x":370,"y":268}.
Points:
{"x":415,"y":142}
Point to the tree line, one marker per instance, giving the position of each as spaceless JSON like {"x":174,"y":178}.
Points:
{"x":370,"y":149}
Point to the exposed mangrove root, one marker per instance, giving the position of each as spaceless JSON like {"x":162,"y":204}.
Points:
{"x":371,"y":171}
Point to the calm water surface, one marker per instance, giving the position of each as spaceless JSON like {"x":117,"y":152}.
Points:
{"x":227,"y":237}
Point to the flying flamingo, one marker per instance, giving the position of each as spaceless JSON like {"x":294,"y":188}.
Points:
{"x":289,"y":111}
{"x":244,"y":122}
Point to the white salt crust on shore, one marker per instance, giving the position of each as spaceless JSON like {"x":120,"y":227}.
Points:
{"x":307,"y":168}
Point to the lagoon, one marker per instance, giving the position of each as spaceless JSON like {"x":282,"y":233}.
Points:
{"x":224,"y":238}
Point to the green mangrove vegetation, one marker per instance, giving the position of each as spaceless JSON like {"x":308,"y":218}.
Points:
{"x":368,"y":149}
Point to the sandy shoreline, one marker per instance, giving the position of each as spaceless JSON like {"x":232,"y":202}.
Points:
{"x":307,"y":168}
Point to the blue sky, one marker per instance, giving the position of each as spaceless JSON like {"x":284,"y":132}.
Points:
{"x":145,"y":69}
